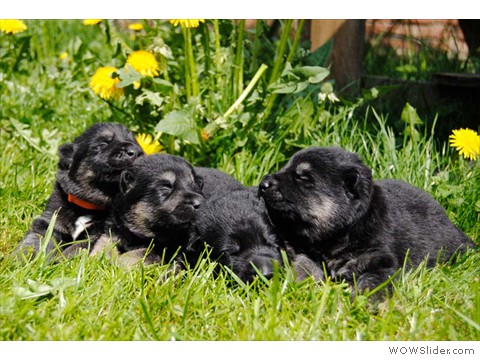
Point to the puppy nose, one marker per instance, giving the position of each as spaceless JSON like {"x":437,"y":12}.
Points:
{"x":264,"y":265}
{"x":265,"y":184}
{"x":132,"y":150}
{"x":194,"y":201}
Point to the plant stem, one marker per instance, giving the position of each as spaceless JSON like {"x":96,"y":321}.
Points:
{"x":247,"y":90}
{"x":279,"y":63}
{"x":191,"y":64}
{"x":256,"y":45}
{"x":238,"y":66}
{"x":218,"y":64}
{"x":188,"y":88}
{"x":296,"y":40}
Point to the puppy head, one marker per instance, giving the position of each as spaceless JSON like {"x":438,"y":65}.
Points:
{"x":236,"y":228}
{"x":101,"y":153}
{"x":90,"y":167}
{"x":319,"y":193}
{"x":159,"y":195}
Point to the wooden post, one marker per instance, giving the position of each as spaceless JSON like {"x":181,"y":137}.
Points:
{"x":348,"y":49}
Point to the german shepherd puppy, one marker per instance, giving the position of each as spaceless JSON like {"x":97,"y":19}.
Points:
{"x":326,"y":206}
{"x":88,"y":178}
{"x":236,"y":227}
{"x":158,"y":200}
{"x":216,"y":181}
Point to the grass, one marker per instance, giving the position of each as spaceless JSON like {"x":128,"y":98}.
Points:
{"x":45,"y":103}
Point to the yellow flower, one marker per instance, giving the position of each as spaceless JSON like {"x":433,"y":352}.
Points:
{"x":104,"y":84}
{"x":136,"y":27}
{"x":148,"y":144}
{"x":466,"y":142}
{"x":144,"y":63}
{"x":12,"y":26}
{"x":63,"y":56}
{"x":188,"y":23}
{"x":91,"y":21}
{"x":204,"y":134}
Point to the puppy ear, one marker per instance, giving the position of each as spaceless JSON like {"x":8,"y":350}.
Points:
{"x":65,"y":153}
{"x":127,"y":181}
{"x":358,"y":184}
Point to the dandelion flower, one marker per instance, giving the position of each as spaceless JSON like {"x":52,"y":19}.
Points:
{"x":91,"y":22}
{"x":187,"y":23}
{"x":148,"y":144}
{"x":466,"y":142}
{"x":63,"y":56}
{"x":12,"y":26}
{"x":136,"y":27}
{"x":144,"y":63}
{"x":104,"y":84}
{"x":204,"y":134}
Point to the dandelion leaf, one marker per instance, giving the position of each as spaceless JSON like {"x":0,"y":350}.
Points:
{"x":128,"y":76}
{"x":179,"y":123}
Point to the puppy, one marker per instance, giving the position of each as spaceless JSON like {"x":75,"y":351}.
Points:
{"x":158,"y":200}
{"x":236,"y":227}
{"x":216,"y":181}
{"x":326,"y":206}
{"x":88,"y":177}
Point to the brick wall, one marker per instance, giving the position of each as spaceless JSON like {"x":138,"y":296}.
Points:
{"x":408,"y":35}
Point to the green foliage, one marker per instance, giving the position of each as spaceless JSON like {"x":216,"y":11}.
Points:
{"x":237,"y":123}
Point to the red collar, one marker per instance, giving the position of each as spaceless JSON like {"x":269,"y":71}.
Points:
{"x":84,"y":204}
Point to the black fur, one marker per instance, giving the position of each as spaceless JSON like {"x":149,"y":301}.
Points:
{"x":158,"y":200}
{"x":236,"y":228}
{"x":327,"y":207}
{"x":216,"y":181}
{"x":90,"y":169}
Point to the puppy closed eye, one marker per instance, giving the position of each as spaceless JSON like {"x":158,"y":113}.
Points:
{"x":165,"y":187}
{"x":199,"y":182}
{"x":303,"y":177}
{"x":104,"y":142}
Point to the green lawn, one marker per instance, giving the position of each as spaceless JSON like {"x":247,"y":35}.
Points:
{"x":46,"y":101}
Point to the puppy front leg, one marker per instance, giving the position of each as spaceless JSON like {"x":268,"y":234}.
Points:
{"x":366,"y":271}
{"x":305,"y":267}
{"x":105,"y":243}
{"x":133,"y":257}
{"x":32,"y":243}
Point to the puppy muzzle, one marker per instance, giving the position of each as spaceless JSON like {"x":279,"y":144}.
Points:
{"x":265,"y":265}
{"x":125,"y":154}
{"x":268,"y":189}
{"x":268,"y":184}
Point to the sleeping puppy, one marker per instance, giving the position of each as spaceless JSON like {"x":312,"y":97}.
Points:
{"x":216,"y":181}
{"x":327,"y":207}
{"x":88,"y":177}
{"x":158,"y":200}
{"x":235,"y":226}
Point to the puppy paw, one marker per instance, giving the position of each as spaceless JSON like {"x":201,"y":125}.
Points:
{"x":105,"y":244}
{"x":345,"y":272}
{"x":304,"y":268}
{"x":134,"y":257}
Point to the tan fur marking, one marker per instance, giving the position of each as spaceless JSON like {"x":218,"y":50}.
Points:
{"x":139,"y":216}
{"x":169,"y":176}
{"x":322,"y":211}
{"x":303,"y":167}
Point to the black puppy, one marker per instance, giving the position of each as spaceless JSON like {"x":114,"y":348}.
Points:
{"x":326,"y":206}
{"x":216,"y":181}
{"x":88,"y":177}
{"x":158,"y":200}
{"x":237,"y":229}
